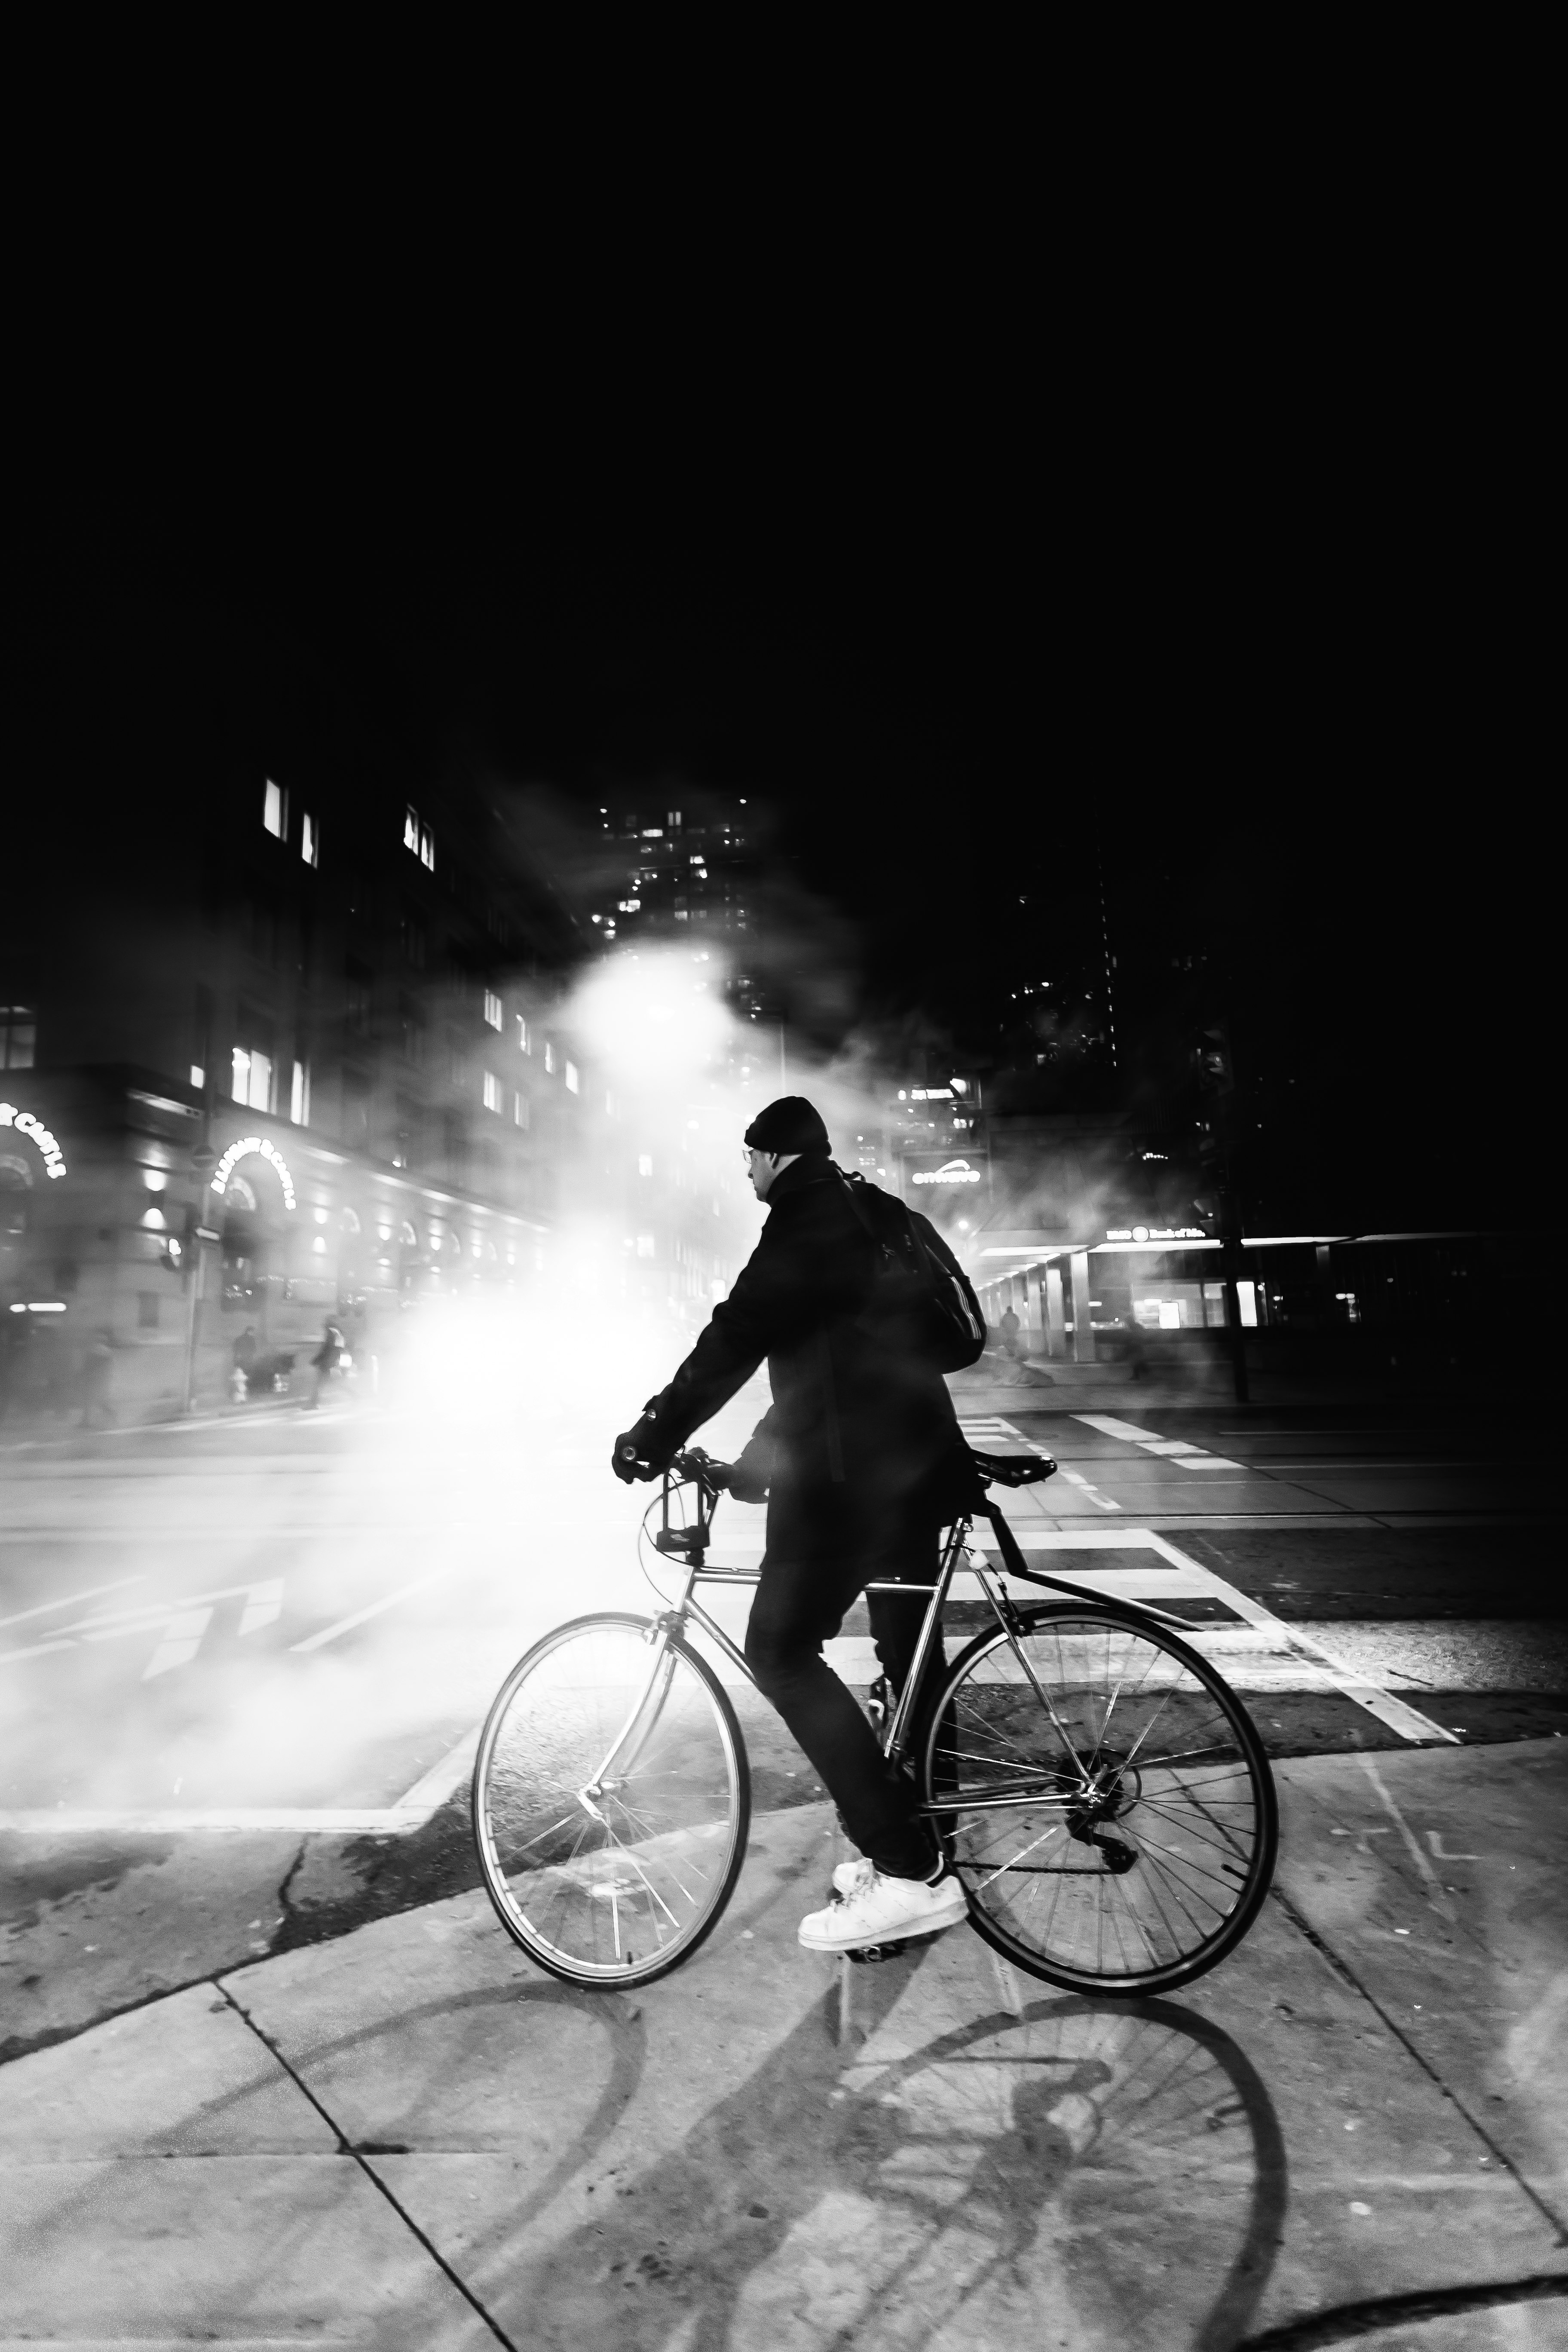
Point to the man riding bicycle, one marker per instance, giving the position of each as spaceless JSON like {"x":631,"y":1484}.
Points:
{"x":862,"y":1464}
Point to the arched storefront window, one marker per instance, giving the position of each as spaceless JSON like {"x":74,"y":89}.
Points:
{"x":15,"y":1187}
{"x":254,"y":1233}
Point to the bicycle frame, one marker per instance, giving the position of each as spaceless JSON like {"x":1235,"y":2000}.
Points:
{"x":692,"y":1544}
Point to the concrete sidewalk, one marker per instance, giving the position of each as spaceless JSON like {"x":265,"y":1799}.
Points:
{"x":410,"y":2138}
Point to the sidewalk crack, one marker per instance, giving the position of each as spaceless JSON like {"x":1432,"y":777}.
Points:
{"x":1347,"y":1975}
{"x":283,"y":1938}
{"x":347,"y":2148}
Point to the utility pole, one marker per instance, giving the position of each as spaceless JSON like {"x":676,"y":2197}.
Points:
{"x":204,"y":1159}
{"x":1230,"y":1261}
{"x":1216,"y":1098}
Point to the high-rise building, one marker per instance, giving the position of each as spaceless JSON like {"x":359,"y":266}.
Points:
{"x":675,"y":870}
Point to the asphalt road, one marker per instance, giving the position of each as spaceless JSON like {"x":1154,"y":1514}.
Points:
{"x":241,"y":1660}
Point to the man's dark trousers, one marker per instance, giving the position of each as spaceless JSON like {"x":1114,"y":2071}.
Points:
{"x":804,"y":1591}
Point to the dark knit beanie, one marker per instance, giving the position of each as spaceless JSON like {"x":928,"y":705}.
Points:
{"x":791,"y":1124}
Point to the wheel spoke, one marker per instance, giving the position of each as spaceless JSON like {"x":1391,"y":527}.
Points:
{"x":1171,"y":1785}
{"x":619,"y":1897}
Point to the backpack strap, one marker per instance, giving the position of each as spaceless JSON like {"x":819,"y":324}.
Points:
{"x":854,"y":1192}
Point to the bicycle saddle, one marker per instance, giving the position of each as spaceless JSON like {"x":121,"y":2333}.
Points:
{"x":1013,"y":1469}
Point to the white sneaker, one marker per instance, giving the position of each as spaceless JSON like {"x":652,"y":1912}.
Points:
{"x":883,"y":1909}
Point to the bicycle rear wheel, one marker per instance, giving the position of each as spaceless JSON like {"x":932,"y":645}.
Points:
{"x":612,"y":1884}
{"x":1104,"y":1797}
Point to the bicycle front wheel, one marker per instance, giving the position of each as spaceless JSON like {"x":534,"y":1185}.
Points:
{"x":609,"y":1858}
{"x":1105,"y":1798}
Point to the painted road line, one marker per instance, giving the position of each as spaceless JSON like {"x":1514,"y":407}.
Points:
{"x":325,"y":1820}
{"x":38,"y":1650}
{"x":411,"y":1812}
{"x":1075,"y":1478}
{"x":182,"y":1640}
{"x":1406,"y":1720}
{"x":362,"y":1616}
{"x":47,"y":1607}
{"x":1109,"y":1426}
{"x":184,"y":1622}
{"x":1244,"y":1654}
{"x":433,"y":1789}
{"x":1172,"y":1449}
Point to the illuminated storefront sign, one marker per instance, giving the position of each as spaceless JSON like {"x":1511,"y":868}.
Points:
{"x":258,"y":1146}
{"x":951,"y":1171}
{"x":37,"y":1133}
{"x":1155,"y":1234}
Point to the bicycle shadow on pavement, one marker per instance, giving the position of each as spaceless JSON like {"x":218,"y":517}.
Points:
{"x":1116,"y":2167}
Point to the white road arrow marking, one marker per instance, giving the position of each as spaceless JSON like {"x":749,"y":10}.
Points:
{"x":182,"y":1640}
{"x":182,"y":1622}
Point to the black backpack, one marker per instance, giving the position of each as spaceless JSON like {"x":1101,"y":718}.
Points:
{"x":920,"y":1299}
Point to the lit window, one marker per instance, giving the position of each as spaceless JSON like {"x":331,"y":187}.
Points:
{"x":275,"y":810}
{"x":426,"y":848}
{"x":524,"y":1044}
{"x":411,"y":831}
{"x":492,"y":1091}
{"x":252,"y":1080}
{"x":492,"y":1008}
{"x":309,"y":840}
{"x":645,"y":1163}
{"x":549,"y":1058}
{"x":570,"y":1077}
{"x":627,"y":906}
{"x":299,"y":1095}
{"x":198,"y":1075}
{"x":645,"y":1245}
{"x":18,"y":1036}
{"x":520,"y":1110}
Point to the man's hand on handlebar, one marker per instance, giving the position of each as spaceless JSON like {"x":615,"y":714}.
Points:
{"x":636,"y":1454}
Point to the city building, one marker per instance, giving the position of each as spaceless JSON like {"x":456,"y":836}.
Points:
{"x":287,"y":1048}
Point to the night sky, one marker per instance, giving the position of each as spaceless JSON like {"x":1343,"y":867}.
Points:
{"x":1290,"y":753}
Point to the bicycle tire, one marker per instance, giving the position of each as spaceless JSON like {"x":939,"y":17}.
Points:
{"x":551,"y":1723}
{"x":1061,"y":1800}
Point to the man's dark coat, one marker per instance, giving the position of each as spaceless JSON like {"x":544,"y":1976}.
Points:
{"x":860,"y":1444}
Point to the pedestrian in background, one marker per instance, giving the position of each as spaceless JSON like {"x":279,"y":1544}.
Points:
{"x":324,"y":1364}
{"x":97,"y":1373}
{"x":1010,"y":1327}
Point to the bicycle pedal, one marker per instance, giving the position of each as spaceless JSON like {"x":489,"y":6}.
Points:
{"x":869,"y":1954}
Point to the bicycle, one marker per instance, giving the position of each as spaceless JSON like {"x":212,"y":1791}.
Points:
{"x":1101,"y":1792}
